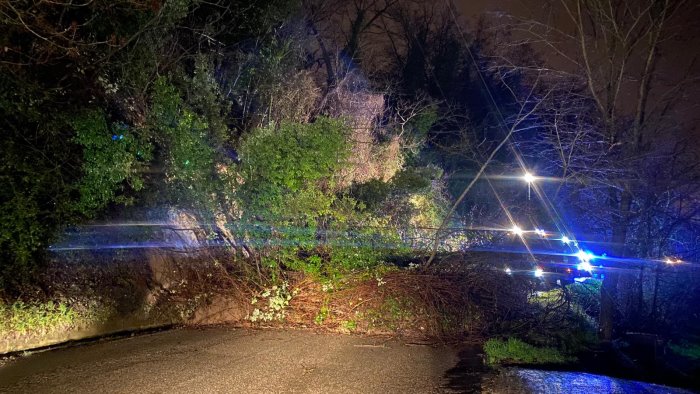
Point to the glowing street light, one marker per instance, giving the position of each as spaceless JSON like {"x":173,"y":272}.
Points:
{"x":670,"y":261}
{"x":541,"y":232}
{"x":565,"y":240}
{"x":508,"y":270}
{"x":517,"y":230}
{"x":528,"y":178}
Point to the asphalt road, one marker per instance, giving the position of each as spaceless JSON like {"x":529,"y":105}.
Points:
{"x":226,"y":360}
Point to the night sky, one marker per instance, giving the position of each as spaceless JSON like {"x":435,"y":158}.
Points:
{"x":678,"y":56}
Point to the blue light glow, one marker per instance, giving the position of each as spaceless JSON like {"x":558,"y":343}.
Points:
{"x":584,"y":256}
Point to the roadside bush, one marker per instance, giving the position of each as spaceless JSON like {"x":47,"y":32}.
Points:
{"x":20,"y":317}
{"x":515,"y":351}
{"x":275,"y":309}
{"x":686,"y":349}
{"x":561,"y":318}
{"x":114,"y":159}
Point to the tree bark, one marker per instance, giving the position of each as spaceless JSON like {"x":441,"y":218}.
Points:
{"x":608,"y":292}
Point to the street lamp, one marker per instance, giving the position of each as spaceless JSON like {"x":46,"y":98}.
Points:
{"x":528,"y":178}
{"x":517,"y":230}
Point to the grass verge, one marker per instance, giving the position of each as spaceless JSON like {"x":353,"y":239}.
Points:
{"x":515,"y":351}
{"x":21,"y":317}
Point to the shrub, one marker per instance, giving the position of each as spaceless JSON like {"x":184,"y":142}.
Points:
{"x":21,"y":317}
{"x":194,"y":172}
{"x":114,"y":157}
{"x":515,"y":351}
{"x":686,"y":349}
{"x":278,"y":298}
{"x":349,"y":325}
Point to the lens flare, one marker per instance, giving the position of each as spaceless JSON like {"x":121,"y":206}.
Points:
{"x":539,"y":272}
{"x":585,"y":266}
{"x":584,"y":256}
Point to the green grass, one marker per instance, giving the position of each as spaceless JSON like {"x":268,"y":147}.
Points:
{"x":515,"y":351}
{"x":21,"y":317}
{"x":322,"y":314}
{"x":686,"y":349}
{"x":349,"y":325}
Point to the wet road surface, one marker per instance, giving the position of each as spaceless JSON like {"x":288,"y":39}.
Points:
{"x":227,"y":360}
{"x":218,"y":360}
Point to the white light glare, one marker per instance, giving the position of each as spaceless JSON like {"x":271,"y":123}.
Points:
{"x":670,"y":261}
{"x":565,"y":240}
{"x":538,"y":272}
{"x":585,"y":266}
{"x":585,"y":257}
{"x":541,"y":232}
{"x":508,"y":271}
{"x":517,"y":230}
{"x":529,"y":178}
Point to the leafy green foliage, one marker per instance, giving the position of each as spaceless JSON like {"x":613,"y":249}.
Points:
{"x":424,"y":121}
{"x":414,"y":179}
{"x":686,"y":349}
{"x":187,"y":152}
{"x":288,"y":181}
{"x":322,"y":314}
{"x":289,"y":184}
{"x":358,"y":239}
{"x":283,"y":90}
{"x":62,"y":61}
{"x":586,"y":296}
{"x":277,"y":297}
{"x":37,"y":177}
{"x":113,"y":158}
{"x":22,"y":234}
{"x":515,"y":351}
{"x":349,"y":325}
{"x":371,"y":193}
{"x":20,"y":317}
{"x":289,"y":171}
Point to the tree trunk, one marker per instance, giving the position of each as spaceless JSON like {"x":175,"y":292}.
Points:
{"x":640,"y":295}
{"x":608,"y":296}
{"x":608,"y":292}
{"x":655,"y":297}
